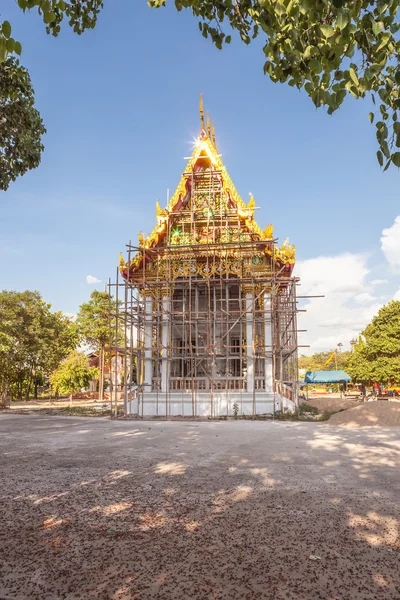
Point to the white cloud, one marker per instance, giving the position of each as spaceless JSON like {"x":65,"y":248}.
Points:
{"x":347,"y":306}
{"x":390,"y":243}
{"x":397,"y":295}
{"x":378,"y":281}
{"x":364,"y":298}
{"x":90,"y":279}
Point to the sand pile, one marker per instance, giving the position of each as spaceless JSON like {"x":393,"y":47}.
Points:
{"x":373,"y":414}
{"x":332,"y":404}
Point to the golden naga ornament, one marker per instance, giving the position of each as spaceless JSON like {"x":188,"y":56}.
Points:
{"x":251,"y":205}
{"x":159,"y":210}
{"x":269,"y":232}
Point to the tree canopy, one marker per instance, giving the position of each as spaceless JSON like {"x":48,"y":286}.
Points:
{"x":21,"y":127}
{"x":330,"y":48}
{"x":93,"y":320}
{"x":33,"y":340}
{"x":73,"y":374}
{"x":325,"y":361}
{"x":96,"y":325}
{"x":377,"y":355}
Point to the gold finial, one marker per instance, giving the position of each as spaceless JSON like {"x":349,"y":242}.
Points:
{"x":201,"y":111}
{"x":159,"y":210}
{"x":208,"y":124}
{"x":251,"y":205}
{"x":269,"y":232}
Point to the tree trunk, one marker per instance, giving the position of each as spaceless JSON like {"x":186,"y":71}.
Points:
{"x":28,"y":389}
{"x":101,"y":375}
{"x":4,"y":395}
{"x":35,"y":389}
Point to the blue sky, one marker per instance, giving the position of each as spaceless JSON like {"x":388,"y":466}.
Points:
{"x":120,"y":104}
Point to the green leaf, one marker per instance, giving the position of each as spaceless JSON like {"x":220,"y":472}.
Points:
{"x":377,"y":27}
{"x":6,"y":29}
{"x":18,"y":48}
{"x":290,"y":7}
{"x":396,"y":159}
{"x":315,"y":66}
{"x":397,"y":76}
{"x":380,"y":157}
{"x":309,"y":51}
{"x":342,"y":20}
{"x":308,"y":87}
{"x":387,"y":165}
{"x":353,"y":76}
{"x":385,"y":39}
{"x":385,"y":149}
{"x":371,"y":117}
{"x":228,"y":39}
{"x":327,"y":30}
{"x":338,"y":3}
{"x":49,"y":17}
{"x":340,"y":96}
{"x":10,"y":45}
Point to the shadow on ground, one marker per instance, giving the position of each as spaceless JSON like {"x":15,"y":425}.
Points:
{"x":237,"y":510}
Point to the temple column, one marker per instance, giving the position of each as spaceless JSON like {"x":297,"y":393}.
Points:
{"x":268,"y":345}
{"x":249,"y":340}
{"x":165,"y":338}
{"x":148,"y":343}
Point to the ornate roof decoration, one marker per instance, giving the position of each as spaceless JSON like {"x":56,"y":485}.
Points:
{"x":205,"y":153}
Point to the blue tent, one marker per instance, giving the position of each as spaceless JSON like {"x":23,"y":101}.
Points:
{"x":326,"y":377}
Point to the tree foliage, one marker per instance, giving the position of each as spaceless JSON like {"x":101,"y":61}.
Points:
{"x":330,"y":48}
{"x":73,"y":374}
{"x":21,"y":128}
{"x":33,"y":340}
{"x":318,"y":361}
{"x":377,"y":355}
{"x":96,"y":325}
{"x":94,"y":319}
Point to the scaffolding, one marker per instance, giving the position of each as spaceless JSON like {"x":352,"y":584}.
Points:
{"x":206,"y":309}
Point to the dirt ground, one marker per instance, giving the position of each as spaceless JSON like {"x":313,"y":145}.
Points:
{"x":332,"y":403}
{"x":100,"y":509}
{"x":377,"y":413}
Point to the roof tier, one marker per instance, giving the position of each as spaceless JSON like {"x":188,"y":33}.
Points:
{"x":207,"y":216}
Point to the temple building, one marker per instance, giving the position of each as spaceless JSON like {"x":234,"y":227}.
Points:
{"x":212,"y":300}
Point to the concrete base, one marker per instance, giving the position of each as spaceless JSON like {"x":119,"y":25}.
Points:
{"x":221,"y":404}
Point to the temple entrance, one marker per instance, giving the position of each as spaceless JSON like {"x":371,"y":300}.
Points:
{"x":207,"y":337}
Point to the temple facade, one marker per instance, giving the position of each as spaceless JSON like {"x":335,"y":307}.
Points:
{"x":212,"y":300}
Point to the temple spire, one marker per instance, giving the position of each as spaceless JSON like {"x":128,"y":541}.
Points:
{"x":201,"y":111}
